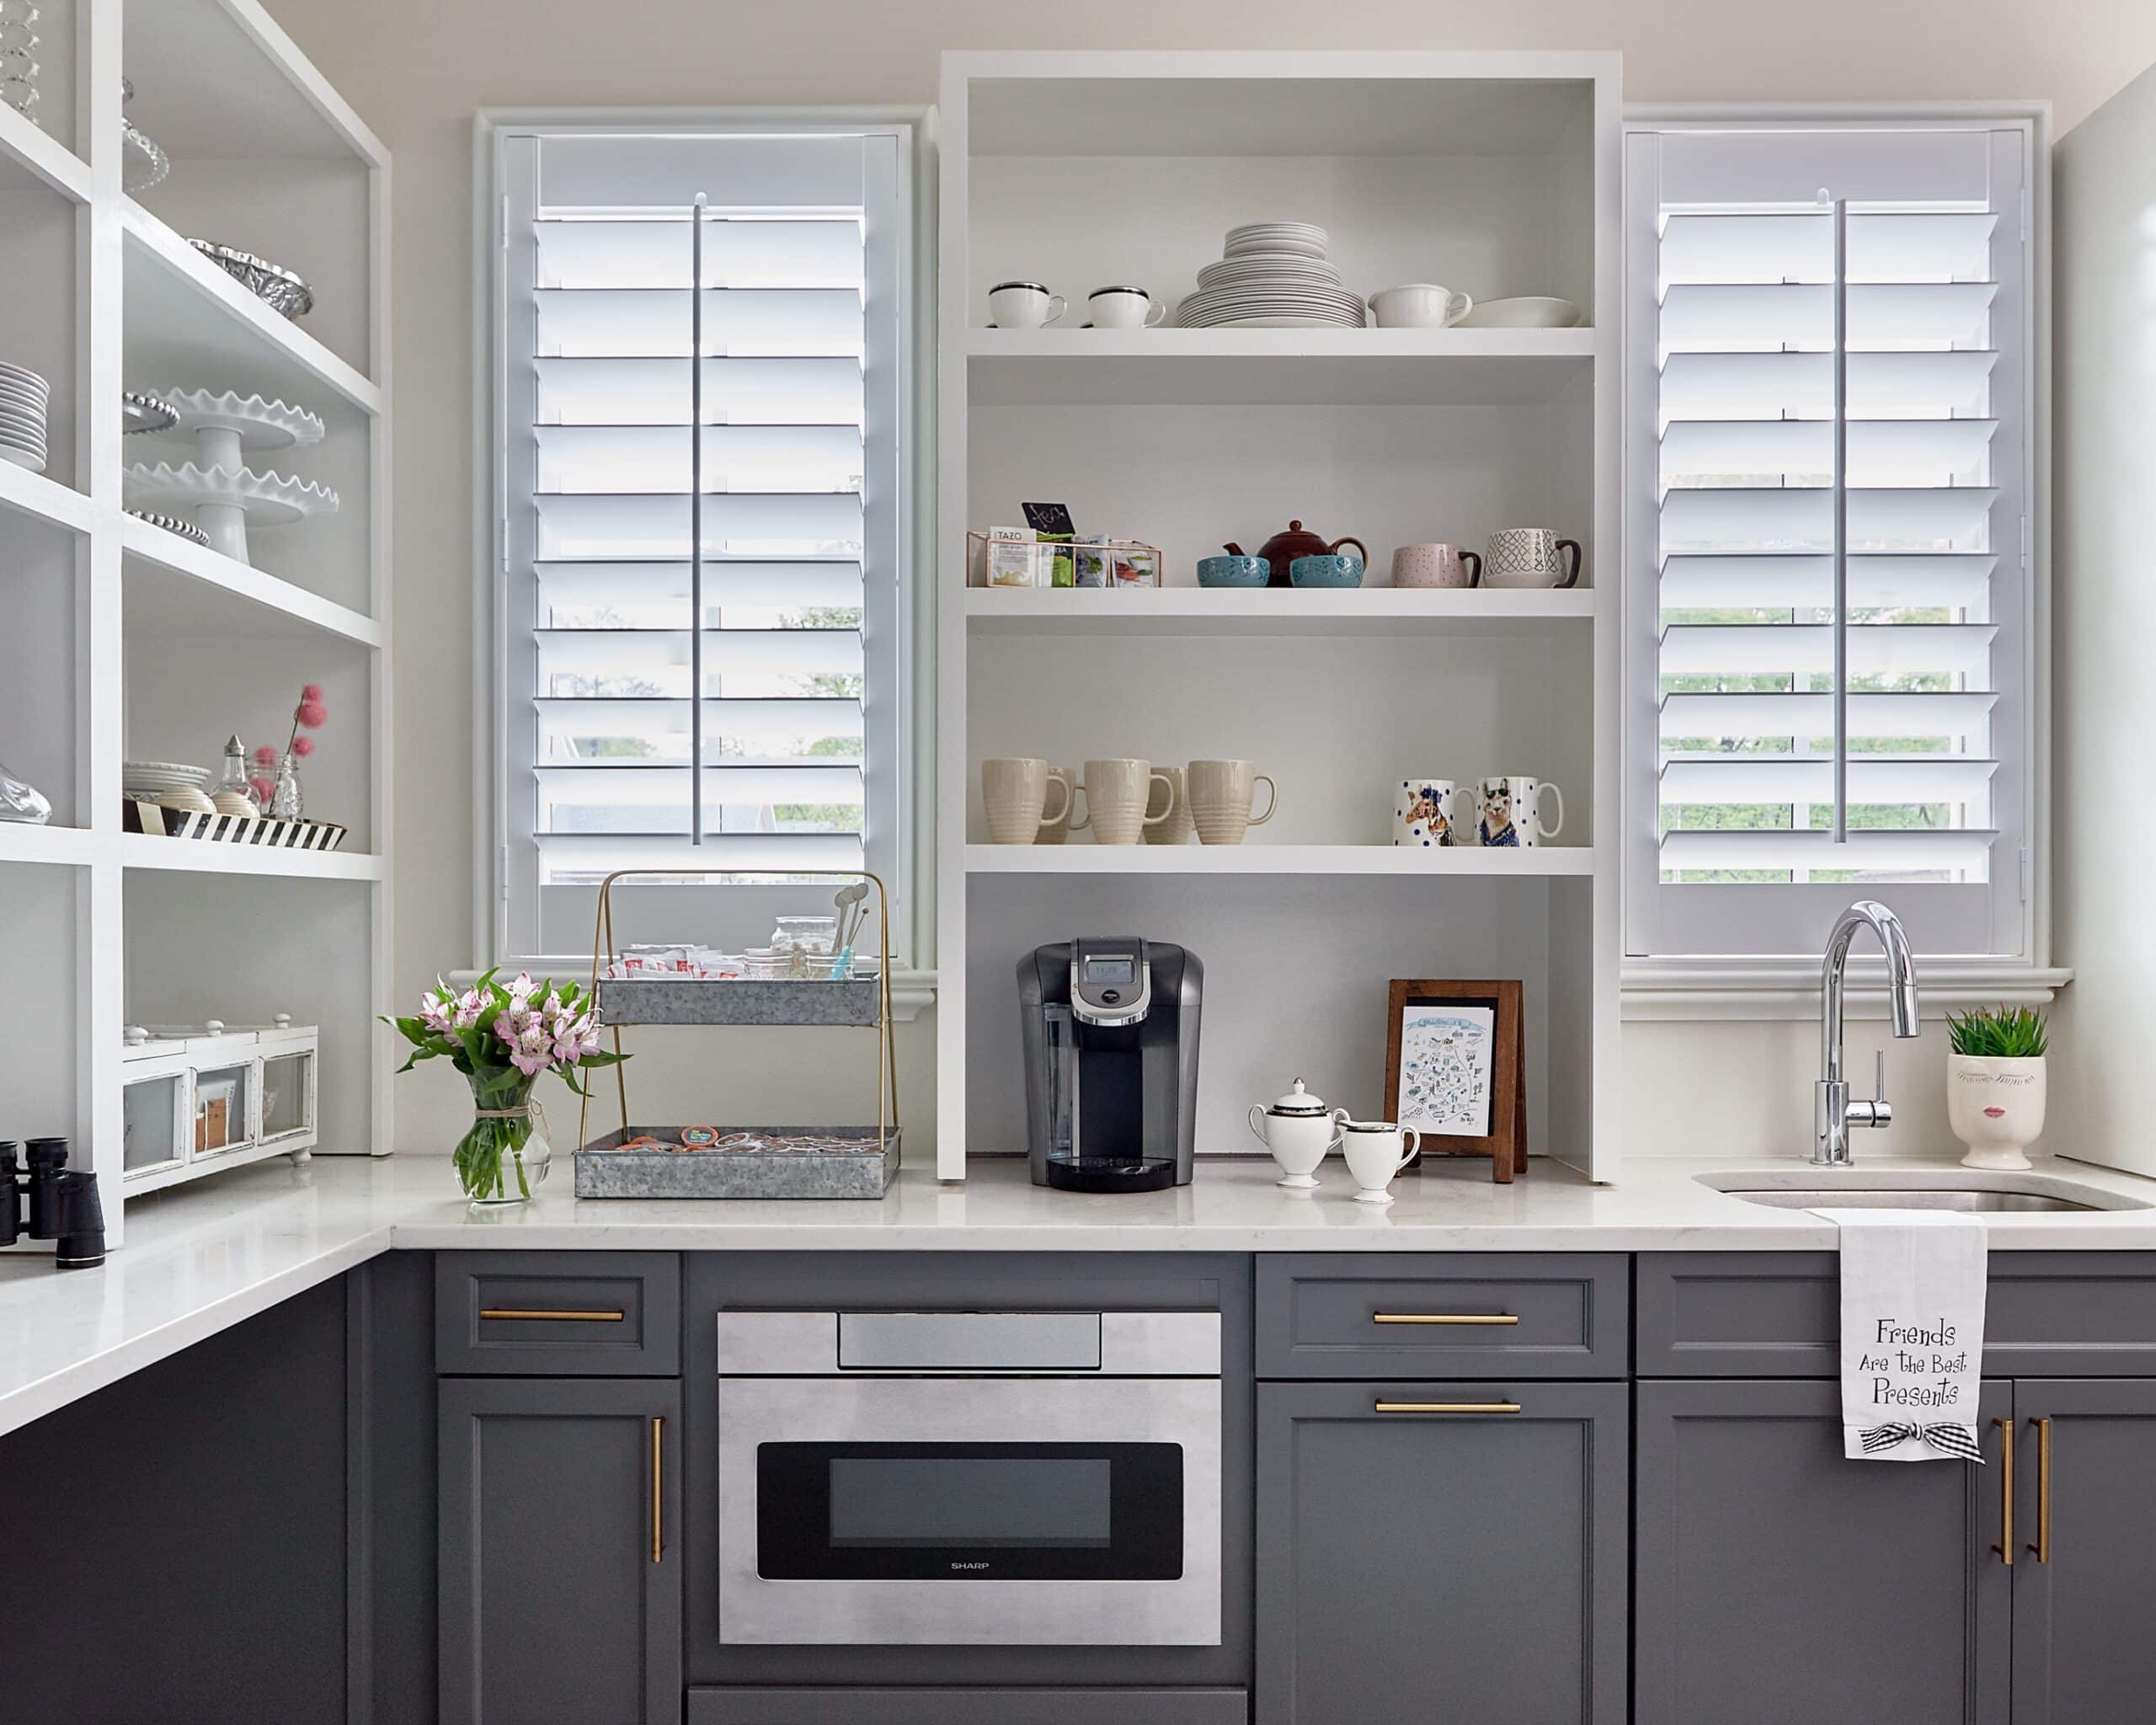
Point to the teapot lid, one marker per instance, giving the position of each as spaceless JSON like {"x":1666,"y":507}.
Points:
{"x":1297,"y":1101}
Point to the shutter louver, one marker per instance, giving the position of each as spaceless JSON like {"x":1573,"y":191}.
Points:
{"x":1746,"y":502}
{"x":609,"y":652}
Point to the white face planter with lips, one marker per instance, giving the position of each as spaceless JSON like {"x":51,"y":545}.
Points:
{"x":1995,"y":1106}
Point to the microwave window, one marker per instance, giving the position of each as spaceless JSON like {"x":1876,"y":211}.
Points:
{"x":970,"y":1501}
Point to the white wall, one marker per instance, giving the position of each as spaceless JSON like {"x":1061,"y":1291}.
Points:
{"x":2104,"y":619}
{"x":416,"y":70}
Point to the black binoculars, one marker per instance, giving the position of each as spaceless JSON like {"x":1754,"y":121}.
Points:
{"x":49,"y":1200}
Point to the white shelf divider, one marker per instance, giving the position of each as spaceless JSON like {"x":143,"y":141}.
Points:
{"x":213,"y":569}
{"x":1537,"y":861}
{"x":34,"y":494}
{"x":141,"y":850}
{"x":26,"y":146}
{"x":1261,"y":610}
{"x":73,"y":845}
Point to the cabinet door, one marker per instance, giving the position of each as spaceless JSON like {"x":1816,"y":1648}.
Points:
{"x":2085,"y":1575}
{"x":1418,"y":1567}
{"x":1780,"y":1582}
{"x":560,"y":1571}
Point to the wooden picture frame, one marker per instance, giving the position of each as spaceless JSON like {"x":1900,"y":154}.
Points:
{"x":1505,"y":1141}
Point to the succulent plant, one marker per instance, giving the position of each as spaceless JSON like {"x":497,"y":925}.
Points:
{"x":2010,"y":1034}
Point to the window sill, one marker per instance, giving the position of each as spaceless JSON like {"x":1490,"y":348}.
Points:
{"x":911,"y":991}
{"x":1657,"y":989}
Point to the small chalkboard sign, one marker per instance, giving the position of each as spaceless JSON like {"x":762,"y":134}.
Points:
{"x":1052,"y":519}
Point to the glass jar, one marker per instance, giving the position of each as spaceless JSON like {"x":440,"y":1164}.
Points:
{"x":805,"y":937}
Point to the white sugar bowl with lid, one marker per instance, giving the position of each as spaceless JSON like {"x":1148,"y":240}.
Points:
{"x":1298,"y":1130}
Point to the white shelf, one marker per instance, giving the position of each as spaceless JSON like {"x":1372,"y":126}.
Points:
{"x":1285,"y":367}
{"x":139,"y":849}
{"x":185,"y":313}
{"x":70,"y":845}
{"x":29,"y":155}
{"x":1541,"y":861}
{"x":34,"y":494}
{"x":180,"y":588}
{"x":1383,"y":612}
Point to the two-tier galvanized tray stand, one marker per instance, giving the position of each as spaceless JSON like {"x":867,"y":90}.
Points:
{"x":741,"y":1161}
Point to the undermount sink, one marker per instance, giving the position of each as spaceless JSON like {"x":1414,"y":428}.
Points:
{"x":1881,"y":1188}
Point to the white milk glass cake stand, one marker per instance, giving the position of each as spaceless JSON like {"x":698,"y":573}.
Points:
{"x":221,"y":490}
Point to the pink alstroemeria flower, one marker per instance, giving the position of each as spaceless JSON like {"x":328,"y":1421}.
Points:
{"x":469,"y":1006}
{"x":436,"y":1009}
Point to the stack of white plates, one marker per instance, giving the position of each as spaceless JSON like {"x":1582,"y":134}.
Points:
{"x":146,"y":781}
{"x":23,"y":397}
{"x":1272,"y":275}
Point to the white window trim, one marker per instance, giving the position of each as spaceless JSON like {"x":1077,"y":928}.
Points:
{"x":1785,"y":986}
{"x":914,"y":977}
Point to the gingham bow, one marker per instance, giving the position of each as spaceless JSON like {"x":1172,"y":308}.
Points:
{"x":1954,"y":1440}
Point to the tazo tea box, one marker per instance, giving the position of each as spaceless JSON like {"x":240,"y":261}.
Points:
{"x":1015,"y":559}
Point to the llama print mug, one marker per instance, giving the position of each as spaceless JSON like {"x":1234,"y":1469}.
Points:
{"x":1508,"y":812}
{"x":1422,"y":814}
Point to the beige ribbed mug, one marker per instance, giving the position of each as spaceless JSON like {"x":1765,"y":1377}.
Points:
{"x":1015,"y":790}
{"x":1055,"y":831}
{"x":1117,"y":792}
{"x":1176,"y":830}
{"x":1221,"y":792}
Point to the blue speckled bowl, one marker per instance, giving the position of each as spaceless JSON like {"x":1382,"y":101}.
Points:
{"x":1234,"y":571}
{"x":1336,"y":569}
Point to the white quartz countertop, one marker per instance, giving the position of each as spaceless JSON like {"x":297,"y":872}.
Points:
{"x":202,"y":1258}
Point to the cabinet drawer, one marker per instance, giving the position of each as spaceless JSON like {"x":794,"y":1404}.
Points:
{"x":968,"y":1706}
{"x":1778,"y":1314}
{"x":559,"y":1314}
{"x":1548,"y":1315}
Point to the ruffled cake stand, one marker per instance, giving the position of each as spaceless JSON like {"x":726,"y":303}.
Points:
{"x":221,"y":489}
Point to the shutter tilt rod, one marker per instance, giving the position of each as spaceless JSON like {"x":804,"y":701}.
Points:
{"x":696,"y":520}
{"x":1841,"y":523}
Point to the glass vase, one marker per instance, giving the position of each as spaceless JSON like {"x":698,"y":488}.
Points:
{"x":506,"y":1155}
{"x":285,"y":802}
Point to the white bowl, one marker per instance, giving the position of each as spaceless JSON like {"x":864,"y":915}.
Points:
{"x":1529,"y":313}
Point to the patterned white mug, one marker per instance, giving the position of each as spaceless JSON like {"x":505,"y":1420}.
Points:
{"x":1530,"y":557}
{"x":1508,"y":814}
{"x":1422,"y":814}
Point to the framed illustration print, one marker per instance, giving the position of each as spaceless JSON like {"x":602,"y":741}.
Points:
{"x":1455,"y":1071}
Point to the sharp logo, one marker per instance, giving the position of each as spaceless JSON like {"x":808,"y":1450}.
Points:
{"x":969,"y":1566}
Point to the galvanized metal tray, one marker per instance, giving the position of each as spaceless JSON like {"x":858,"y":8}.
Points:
{"x":605,"y":1168}
{"x":640,"y":1000}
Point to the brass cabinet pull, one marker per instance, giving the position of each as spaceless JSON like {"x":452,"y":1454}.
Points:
{"x":1445,"y":1407}
{"x":518,"y":1314}
{"x":658,"y":1466}
{"x":2005,"y":1546}
{"x":1443,"y":1317}
{"x":2042,"y":1548}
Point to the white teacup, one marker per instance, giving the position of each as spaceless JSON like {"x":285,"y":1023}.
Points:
{"x":1124,"y":308}
{"x":1418,"y":305}
{"x":1375,"y":1150}
{"x":1117,"y":791}
{"x":1422,"y":814}
{"x":1023,"y":304}
{"x":1014,"y":791}
{"x":1507,"y":812}
{"x":1530,"y":557}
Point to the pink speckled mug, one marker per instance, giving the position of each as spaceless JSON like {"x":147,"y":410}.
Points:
{"x":1437,"y":565}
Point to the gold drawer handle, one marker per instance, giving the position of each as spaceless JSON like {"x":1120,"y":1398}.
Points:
{"x":657,"y":1461}
{"x":1445,"y":1407}
{"x":517,"y":1313}
{"x":2042,"y":1548}
{"x":2005,"y":1546}
{"x":1443,"y":1317}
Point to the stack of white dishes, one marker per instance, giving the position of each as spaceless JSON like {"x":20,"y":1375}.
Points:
{"x":23,"y":397}
{"x":171,"y":784}
{"x":1272,"y":275}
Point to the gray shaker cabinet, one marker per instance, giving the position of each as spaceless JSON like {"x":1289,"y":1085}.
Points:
{"x":2085,"y":1576}
{"x":1427,"y":1567}
{"x":560,"y":1569}
{"x":1779,"y":1583}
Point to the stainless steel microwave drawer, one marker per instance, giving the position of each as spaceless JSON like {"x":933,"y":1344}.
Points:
{"x":1777,"y":1315}
{"x":1454,"y":1315}
{"x":1055,"y":1706}
{"x":557,"y":1314}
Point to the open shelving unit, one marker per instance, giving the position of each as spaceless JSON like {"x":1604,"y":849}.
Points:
{"x":1493,"y":173}
{"x":129,"y":642}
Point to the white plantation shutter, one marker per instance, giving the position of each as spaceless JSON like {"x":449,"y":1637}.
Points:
{"x":1734,"y":633}
{"x":793,"y":473}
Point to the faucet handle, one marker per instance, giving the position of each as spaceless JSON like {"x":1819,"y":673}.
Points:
{"x":1879,"y":1076}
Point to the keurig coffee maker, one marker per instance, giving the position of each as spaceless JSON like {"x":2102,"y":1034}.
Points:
{"x":1111,"y":1033}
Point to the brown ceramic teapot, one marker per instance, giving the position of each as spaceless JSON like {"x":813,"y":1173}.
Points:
{"x":1284,"y":548}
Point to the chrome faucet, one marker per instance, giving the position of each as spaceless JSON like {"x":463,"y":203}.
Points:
{"x":1832,"y":1113}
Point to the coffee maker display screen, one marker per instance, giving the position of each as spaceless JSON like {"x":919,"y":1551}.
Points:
{"x":1108,"y":973}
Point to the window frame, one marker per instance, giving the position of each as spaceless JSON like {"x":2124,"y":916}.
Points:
{"x":904,"y":857}
{"x":1771,"y":984}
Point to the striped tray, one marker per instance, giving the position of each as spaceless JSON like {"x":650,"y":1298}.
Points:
{"x":231,"y":828}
